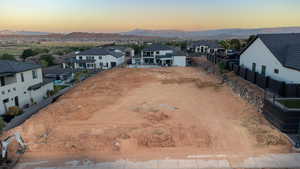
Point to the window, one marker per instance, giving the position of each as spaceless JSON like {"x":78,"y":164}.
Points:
{"x":34,"y":74}
{"x":263,"y":70}
{"x":253,"y":67}
{"x":2,"y":81}
{"x":276,"y":71}
{"x":100,"y":57}
{"x":22,"y":77}
{"x":80,"y":57}
{"x":157,"y":52}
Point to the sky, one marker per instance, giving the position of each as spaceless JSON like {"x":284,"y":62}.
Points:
{"x":125,"y":15}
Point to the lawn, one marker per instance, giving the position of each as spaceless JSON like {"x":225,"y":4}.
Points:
{"x":292,"y":104}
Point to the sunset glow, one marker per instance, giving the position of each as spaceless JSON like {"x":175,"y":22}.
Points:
{"x":124,"y":15}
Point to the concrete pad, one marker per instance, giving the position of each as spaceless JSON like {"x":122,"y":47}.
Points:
{"x":213,"y":164}
{"x":142,"y":165}
{"x":111,"y":165}
{"x":187,"y":164}
{"x":168,"y":164}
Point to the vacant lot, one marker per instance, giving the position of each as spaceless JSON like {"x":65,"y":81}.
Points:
{"x":149,"y":114}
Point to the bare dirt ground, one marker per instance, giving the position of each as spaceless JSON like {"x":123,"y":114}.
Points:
{"x":144,"y":114}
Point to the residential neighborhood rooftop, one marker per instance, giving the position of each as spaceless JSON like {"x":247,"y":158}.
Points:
{"x":285,"y":47}
{"x":157,"y":47}
{"x":7,"y":66}
{"x":101,"y":51}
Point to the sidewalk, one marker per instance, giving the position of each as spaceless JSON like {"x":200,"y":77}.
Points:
{"x":268,"y":161}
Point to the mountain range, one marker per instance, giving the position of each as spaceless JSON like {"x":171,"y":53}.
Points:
{"x":212,"y":34}
{"x":194,"y":35}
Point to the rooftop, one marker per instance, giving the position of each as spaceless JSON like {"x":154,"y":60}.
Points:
{"x":7,"y":66}
{"x":157,"y":47}
{"x":101,"y":51}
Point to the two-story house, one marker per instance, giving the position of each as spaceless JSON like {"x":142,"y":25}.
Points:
{"x":158,"y":54}
{"x":21,"y":84}
{"x":204,"y":47}
{"x":97,"y":58}
{"x":274,"y":55}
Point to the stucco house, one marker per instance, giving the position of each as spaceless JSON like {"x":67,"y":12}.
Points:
{"x":22,"y":84}
{"x":97,"y":58}
{"x":59,"y":74}
{"x":274,"y":55}
{"x":204,"y":47}
{"x":158,"y":54}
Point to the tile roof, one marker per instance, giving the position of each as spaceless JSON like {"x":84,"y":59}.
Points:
{"x":157,"y":47}
{"x":285,"y":47}
{"x":210,"y":44}
{"x":7,"y":66}
{"x":101,"y":51}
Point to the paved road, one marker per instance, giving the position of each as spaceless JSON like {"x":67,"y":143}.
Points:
{"x":267,"y":161}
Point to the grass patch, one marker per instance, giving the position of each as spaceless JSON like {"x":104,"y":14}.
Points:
{"x":58,"y":88}
{"x":292,"y":104}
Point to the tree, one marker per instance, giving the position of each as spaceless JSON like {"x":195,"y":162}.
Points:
{"x":47,"y":60}
{"x":251,"y":38}
{"x":27,"y":53}
{"x":225,"y":44}
{"x":8,"y":57}
{"x":2,"y":124}
{"x":235,"y":44}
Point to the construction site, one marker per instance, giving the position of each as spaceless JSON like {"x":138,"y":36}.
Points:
{"x":148,"y":114}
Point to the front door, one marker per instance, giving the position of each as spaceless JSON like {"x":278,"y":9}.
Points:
{"x":17,"y":101}
{"x":5,"y":101}
{"x":113,"y":64}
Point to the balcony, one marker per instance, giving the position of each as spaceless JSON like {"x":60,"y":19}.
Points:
{"x":7,"y":79}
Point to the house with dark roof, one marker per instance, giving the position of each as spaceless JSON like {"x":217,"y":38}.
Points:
{"x":274,"y":55}
{"x":163,"y":55}
{"x":204,"y":47}
{"x":59,"y":75}
{"x":97,"y":58}
{"x":21,"y":84}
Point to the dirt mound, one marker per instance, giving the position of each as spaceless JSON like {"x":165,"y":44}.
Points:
{"x":157,"y":137}
{"x":264,"y":134}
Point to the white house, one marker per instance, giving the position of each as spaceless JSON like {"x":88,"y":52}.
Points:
{"x":274,"y":55}
{"x":157,"y":54}
{"x":21,"y":84}
{"x":204,"y":47}
{"x":97,"y":58}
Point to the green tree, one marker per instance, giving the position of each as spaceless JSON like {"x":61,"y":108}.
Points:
{"x":6,"y":56}
{"x":225,"y":44}
{"x":47,"y":60}
{"x":27,"y":53}
{"x":251,"y":38}
{"x":235,"y":44}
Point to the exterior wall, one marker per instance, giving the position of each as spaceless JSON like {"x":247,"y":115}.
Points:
{"x":258,"y":53}
{"x":198,"y":49}
{"x":101,"y":61}
{"x":41,"y":93}
{"x":20,"y":89}
{"x":160,"y":52}
{"x":179,"y":61}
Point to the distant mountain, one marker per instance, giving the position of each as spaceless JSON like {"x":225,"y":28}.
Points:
{"x":212,"y":34}
{"x":28,"y":33}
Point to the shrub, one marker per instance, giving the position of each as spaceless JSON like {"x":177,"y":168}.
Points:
{"x":14,"y":111}
{"x":222,"y":67}
{"x":50,"y":93}
{"x":2,"y":124}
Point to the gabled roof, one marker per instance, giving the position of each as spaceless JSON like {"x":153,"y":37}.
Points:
{"x":285,"y":47}
{"x":209,"y":43}
{"x":157,"y":47}
{"x":7,"y":66}
{"x":101,"y":51}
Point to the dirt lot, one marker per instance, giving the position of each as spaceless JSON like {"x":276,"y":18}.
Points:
{"x":149,"y":114}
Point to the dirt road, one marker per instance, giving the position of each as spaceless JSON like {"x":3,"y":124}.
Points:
{"x":145,"y":114}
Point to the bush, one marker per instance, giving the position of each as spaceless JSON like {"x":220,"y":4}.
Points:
{"x":14,"y":111}
{"x":2,"y":124}
{"x":222,"y":67}
{"x":50,"y":93}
